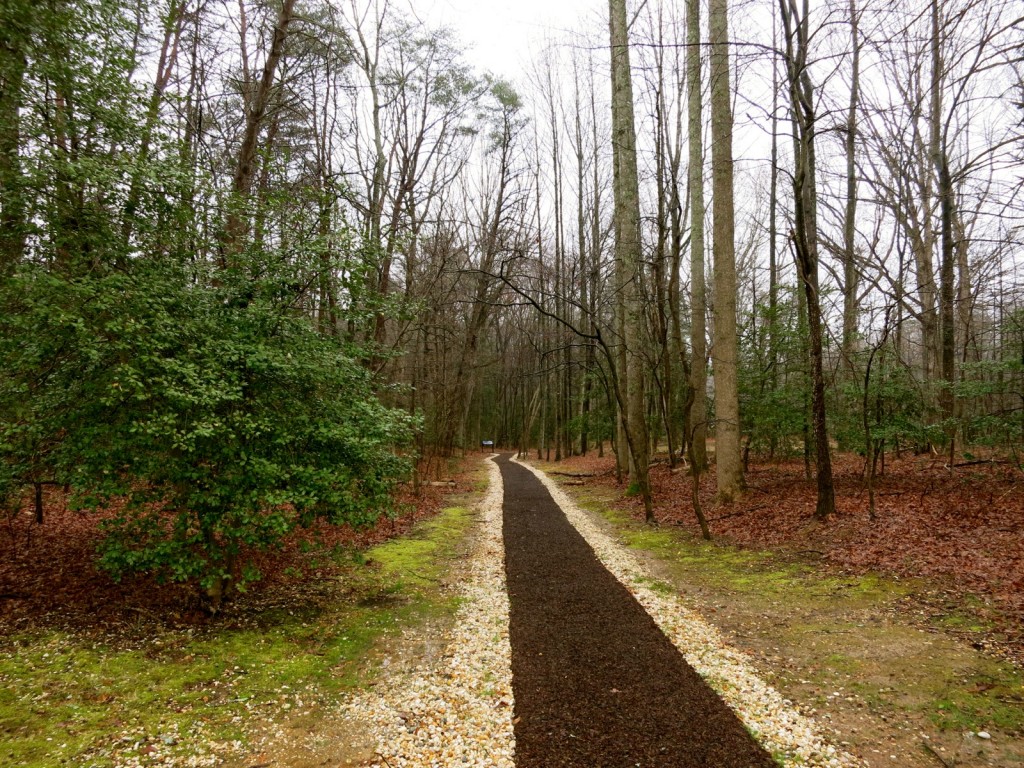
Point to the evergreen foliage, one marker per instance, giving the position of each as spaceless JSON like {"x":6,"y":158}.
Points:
{"x":198,"y":404}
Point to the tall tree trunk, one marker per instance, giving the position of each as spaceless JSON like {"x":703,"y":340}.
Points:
{"x":964,"y":291}
{"x":17,"y":21}
{"x":675,"y":213}
{"x":664,"y":378}
{"x":164,"y":69}
{"x":628,"y":256}
{"x":805,"y":233}
{"x":561,"y":304}
{"x":595,"y":243}
{"x":773,"y":236}
{"x":367,"y":57}
{"x":850,"y":275}
{"x":698,"y":301}
{"x":947,"y":203}
{"x":584,"y":268}
{"x":729,"y":468}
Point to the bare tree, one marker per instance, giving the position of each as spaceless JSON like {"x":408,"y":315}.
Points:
{"x":796,"y":27}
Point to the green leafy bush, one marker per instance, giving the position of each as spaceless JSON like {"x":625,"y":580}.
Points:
{"x":214,"y":411}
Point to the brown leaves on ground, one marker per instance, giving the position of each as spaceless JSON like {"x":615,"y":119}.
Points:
{"x":962,"y":530}
{"x":49,"y":576}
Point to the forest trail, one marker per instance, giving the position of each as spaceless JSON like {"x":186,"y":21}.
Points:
{"x":595,"y":681}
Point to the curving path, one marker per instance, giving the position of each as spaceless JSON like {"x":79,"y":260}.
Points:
{"x":596,"y":684}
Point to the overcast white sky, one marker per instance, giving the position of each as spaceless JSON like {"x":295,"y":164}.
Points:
{"x":500,"y":34}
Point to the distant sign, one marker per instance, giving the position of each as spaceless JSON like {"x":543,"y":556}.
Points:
{"x":486,"y":443}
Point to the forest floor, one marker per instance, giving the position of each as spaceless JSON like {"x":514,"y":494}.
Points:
{"x":898,"y":634}
{"x":903,"y":633}
{"x":963,"y":530}
{"x":98,"y":673}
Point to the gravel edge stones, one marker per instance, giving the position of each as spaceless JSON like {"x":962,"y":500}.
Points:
{"x":597,"y":684}
{"x":774,"y":720}
{"x":458,"y":711}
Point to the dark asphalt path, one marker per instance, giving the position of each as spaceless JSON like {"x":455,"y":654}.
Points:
{"x":596,"y":682}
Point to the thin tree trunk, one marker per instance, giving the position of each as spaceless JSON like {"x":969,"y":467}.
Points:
{"x":584,"y":269}
{"x":773,"y":238}
{"x":663,"y":379}
{"x":805,"y":234}
{"x":13,"y":64}
{"x":850,"y":275}
{"x":164,"y":69}
{"x":245,"y":166}
{"x":595,"y":245}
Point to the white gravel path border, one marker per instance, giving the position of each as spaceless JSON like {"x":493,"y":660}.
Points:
{"x":456,"y":713}
{"x":773,"y":720}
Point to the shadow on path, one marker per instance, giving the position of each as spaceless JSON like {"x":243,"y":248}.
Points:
{"x":596,"y":682}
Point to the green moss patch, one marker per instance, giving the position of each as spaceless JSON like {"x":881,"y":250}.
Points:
{"x":420,"y":558}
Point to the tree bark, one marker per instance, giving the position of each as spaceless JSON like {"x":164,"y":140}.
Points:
{"x":662,"y":267}
{"x":850,"y":274}
{"x":627,"y":251}
{"x":164,"y":69}
{"x":18,"y":20}
{"x":245,"y":166}
{"x":698,"y":431}
{"x":584,"y":268}
{"x":805,"y":232}
{"x":774,"y":325}
{"x":729,"y":467}
{"x":947,"y":205}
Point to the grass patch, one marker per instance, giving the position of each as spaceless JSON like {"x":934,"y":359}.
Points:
{"x":970,"y":615}
{"x":743,"y":570}
{"x":657,"y":586}
{"x":984,"y":702}
{"x":91,"y":699}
